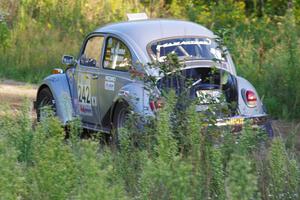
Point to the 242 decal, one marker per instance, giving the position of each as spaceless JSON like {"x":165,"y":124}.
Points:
{"x":84,"y":94}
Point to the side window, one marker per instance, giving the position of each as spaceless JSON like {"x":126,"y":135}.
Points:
{"x":117,"y":55}
{"x":92,"y":52}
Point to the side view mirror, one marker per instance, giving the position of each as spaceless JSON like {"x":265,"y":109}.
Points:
{"x":68,"y":60}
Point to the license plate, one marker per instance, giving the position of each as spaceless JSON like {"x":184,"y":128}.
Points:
{"x":235,"y":121}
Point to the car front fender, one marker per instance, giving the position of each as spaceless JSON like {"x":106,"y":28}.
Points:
{"x":59,"y":87}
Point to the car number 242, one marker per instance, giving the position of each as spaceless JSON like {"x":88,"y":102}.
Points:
{"x":84,"y":94}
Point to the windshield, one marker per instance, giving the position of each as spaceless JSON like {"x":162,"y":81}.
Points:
{"x":186,"y":48}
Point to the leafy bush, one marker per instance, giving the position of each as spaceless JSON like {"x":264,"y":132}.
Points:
{"x":53,"y":173}
{"x":155,"y":164}
{"x":12,"y":181}
{"x":283,"y":172}
{"x":241,"y":181}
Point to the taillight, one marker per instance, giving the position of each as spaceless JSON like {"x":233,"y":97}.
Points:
{"x":250,"y":98}
{"x":155,"y":105}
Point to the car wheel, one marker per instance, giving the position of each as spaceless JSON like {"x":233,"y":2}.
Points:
{"x":45,"y":99}
{"x":119,"y":120}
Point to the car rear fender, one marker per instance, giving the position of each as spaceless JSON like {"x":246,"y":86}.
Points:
{"x":244,"y":109}
{"x":137,"y":98}
{"x":59,"y":87}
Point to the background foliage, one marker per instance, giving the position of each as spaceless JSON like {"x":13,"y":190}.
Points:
{"x":262,"y":35}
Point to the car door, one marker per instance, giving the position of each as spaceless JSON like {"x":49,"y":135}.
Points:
{"x":87,"y":76}
{"x":117,"y":61}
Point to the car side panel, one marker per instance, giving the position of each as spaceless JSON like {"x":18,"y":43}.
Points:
{"x":59,"y":87}
{"x":110,"y":83}
{"x":243,"y":108}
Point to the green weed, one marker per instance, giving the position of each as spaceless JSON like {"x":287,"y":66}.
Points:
{"x":148,"y":164}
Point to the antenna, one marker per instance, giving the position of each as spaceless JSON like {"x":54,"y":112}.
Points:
{"x":136,"y":16}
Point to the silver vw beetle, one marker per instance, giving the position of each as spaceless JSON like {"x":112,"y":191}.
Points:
{"x":97,"y":86}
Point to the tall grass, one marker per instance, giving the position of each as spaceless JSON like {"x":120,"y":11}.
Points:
{"x":40,"y":163}
{"x":34,"y":50}
{"x":269,"y":59}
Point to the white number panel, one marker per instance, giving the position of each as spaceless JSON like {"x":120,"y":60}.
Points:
{"x":84,"y":95}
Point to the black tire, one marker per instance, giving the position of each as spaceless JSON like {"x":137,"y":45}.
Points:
{"x":120,"y":116}
{"x":44,"y":99}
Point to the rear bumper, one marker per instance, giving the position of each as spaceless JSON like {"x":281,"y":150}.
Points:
{"x":256,"y":122}
{"x":241,"y":120}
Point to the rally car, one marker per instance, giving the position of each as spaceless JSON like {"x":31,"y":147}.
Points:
{"x":98,"y":86}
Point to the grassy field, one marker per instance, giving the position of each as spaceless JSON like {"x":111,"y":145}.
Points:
{"x":166,"y":162}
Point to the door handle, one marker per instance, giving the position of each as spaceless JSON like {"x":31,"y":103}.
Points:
{"x":95,"y":76}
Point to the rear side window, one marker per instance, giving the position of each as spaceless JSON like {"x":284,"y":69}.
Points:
{"x":92,"y":52}
{"x":117,"y":55}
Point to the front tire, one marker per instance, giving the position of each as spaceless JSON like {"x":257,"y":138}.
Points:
{"x":45,"y":99}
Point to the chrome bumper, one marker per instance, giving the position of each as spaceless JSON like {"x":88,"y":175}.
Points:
{"x":240,"y":120}
{"x":236,"y":123}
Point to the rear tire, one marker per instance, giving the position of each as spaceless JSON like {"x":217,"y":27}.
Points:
{"x":120,"y":116}
{"x":44,"y":98}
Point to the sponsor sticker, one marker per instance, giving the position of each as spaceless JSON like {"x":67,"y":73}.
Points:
{"x":85,"y":110}
{"x":108,"y":85}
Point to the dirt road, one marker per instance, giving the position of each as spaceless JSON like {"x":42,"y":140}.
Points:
{"x":13,"y":93}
